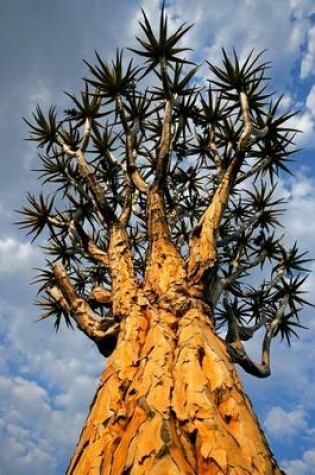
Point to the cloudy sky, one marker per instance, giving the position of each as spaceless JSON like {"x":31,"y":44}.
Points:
{"x":46,"y":380}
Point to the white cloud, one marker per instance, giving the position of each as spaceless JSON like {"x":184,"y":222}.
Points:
{"x":47,"y":384}
{"x":25,"y":407}
{"x":285,"y":424}
{"x":15,"y":255}
{"x":280,"y":27}
{"x":276,"y":26}
{"x":45,"y":416}
{"x":305,"y":466}
{"x":310,"y":101}
{"x":305,"y":121}
{"x":308,"y":62}
{"x":298,"y":219}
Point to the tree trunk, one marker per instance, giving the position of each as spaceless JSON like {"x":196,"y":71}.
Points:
{"x":171,"y":402}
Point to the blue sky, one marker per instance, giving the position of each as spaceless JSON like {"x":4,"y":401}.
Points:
{"x":46,"y":380}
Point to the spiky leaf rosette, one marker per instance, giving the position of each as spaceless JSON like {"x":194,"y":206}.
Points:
{"x":103,"y":154}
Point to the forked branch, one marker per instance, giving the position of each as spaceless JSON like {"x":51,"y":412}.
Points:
{"x":202,"y":244}
{"x":249,"y":132}
{"x":103,"y":210}
{"x":164,"y":149}
{"x":132,"y":170}
{"x":237,"y":350}
{"x":92,"y":325}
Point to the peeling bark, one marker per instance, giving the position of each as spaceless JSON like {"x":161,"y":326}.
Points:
{"x":202,"y":244}
{"x":87,"y":321}
{"x":124,"y":285}
{"x":171,"y":402}
{"x":165,"y":266}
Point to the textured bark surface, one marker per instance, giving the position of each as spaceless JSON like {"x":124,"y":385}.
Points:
{"x":170,"y":402}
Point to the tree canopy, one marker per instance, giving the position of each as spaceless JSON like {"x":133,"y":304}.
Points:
{"x":162,"y":124}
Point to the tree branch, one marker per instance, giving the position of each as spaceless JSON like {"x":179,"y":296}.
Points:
{"x":165,"y":145}
{"x":123,"y":279}
{"x":127,"y":209}
{"x":101,"y":296}
{"x":131,"y":154}
{"x":241,"y":229}
{"x":86,"y":136}
{"x":237,"y":350}
{"x":103,"y":210}
{"x":266,"y":287}
{"x":56,"y":294}
{"x":253,"y":170}
{"x":202,"y":244}
{"x":132,"y":168}
{"x":91,"y":324}
{"x":249,"y":132}
{"x":227,"y":281}
{"x":96,"y":253}
{"x":214,"y":150}
{"x":165,"y":266}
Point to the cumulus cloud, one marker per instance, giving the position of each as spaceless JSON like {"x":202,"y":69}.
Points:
{"x":278,"y":27}
{"x":305,"y":120}
{"x":281,"y":28}
{"x":281,"y":423}
{"x":25,"y":407}
{"x":14,"y":255}
{"x":299,"y":192}
{"x":308,"y":61}
{"x":35,"y":432}
{"x":310,"y":101}
{"x":45,"y":390}
{"x":304,"y":466}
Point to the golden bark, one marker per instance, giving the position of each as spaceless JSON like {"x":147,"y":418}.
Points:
{"x":169,"y":400}
{"x":202,"y":244}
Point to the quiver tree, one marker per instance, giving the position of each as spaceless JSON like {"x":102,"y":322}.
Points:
{"x":160,"y":215}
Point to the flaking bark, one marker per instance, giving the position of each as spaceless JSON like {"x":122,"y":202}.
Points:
{"x":170,"y":402}
{"x":202,"y":245}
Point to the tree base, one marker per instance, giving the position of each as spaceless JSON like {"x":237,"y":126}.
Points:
{"x":170,"y":402}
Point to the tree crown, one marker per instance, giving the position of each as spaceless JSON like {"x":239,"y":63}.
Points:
{"x":120,"y":138}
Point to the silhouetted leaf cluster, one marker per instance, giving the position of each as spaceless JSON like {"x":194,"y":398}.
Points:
{"x":206,"y":125}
